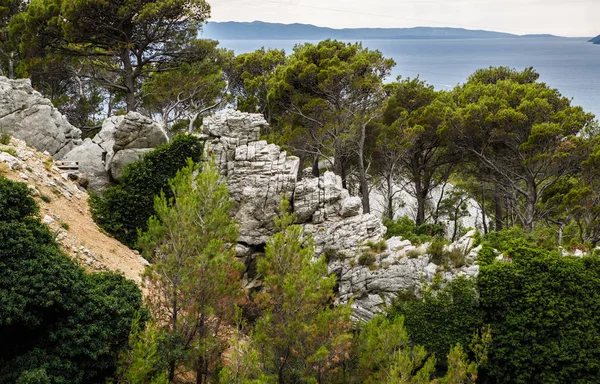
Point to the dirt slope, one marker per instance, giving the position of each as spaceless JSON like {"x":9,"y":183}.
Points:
{"x":67,"y":212}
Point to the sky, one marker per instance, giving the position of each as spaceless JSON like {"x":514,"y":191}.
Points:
{"x":573,"y":18}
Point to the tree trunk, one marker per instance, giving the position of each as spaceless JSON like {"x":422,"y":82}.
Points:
{"x":390,"y":197}
{"x":421,"y":195}
{"x":193,"y":118}
{"x":455,"y":231}
{"x":529,"y":207}
{"x":561,"y":228}
{"x":11,"y":66}
{"x":364,"y":185}
{"x":315,"y":167}
{"x":129,"y":81}
{"x":483,"y":215}
{"x":499,"y":211}
{"x":201,"y":363}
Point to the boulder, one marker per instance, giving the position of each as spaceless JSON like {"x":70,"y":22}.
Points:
{"x":90,"y":157}
{"x":27,"y":115}
{"x":138,"y":131}
{"x":123,"y":158}
{"x":121,"y":141}
{"x":351,"y":206}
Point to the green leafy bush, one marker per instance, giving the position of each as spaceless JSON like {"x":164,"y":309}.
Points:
{"x":125,"y":208}
{"x":58,"y":324}
{"x":442,"y":318}
{"x":406,"y":228}
{"x":544,"y":312}
{"x":486,"y":255}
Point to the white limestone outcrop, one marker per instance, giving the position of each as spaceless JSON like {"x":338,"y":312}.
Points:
{"x":25,"y":114}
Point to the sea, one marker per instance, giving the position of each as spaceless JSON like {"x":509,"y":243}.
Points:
{"x":572,"y":65}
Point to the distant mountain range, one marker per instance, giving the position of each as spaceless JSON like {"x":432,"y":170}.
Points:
{"x":259,"y":30}
{"x":595,"y":40}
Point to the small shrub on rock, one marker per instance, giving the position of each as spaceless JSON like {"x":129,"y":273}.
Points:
{"x":367,"y":259}
{"x":5,"y":138}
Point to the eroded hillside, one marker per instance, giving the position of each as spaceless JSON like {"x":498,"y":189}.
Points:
{"x":64,"y":207}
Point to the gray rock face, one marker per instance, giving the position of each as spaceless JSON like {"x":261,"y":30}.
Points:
{"x":372,"y":288}
{"x":89,"y":155}
{"x":121,"y":141}
{"x":123,"y":158}
{"x":27,"y":115}
{"x":258,"y":174}
{"x":136,"y":131}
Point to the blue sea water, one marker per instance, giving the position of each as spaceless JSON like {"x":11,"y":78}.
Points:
{"x":572,"y":65}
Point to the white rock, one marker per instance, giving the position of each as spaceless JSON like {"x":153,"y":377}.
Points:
{"x":27,"y":115}
{"x":351,"y":206}
{"x":48,"y":220}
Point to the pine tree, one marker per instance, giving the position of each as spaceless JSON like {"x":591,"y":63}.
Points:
{"x":194,"y":277}
{"x":301,"y":336}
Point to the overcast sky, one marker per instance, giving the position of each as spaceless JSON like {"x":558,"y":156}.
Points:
{"x":559,"y":17}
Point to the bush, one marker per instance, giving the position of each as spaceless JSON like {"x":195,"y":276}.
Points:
{"x":377,"y":247}
{"x":442,"y":318}
{"x":406,"y":228}
{"x":125,"y":208}
{"x":544,"y":310}
{"x":5,"y":138}
{"x":367,"y":259}
{"x":486,"y":255}
{"x":58,"y":324}
{"x":436,"y":251}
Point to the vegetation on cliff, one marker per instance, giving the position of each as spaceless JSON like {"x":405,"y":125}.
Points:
{"x":503,"y":140}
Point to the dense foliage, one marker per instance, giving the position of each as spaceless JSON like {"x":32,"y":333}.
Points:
{"x":543,"y":310}
{"x":442,"y":318}
{"x":194,"y":276}
{"x":58,"y":324}
{"x":502,"y":141}
{"x":123,"y":209}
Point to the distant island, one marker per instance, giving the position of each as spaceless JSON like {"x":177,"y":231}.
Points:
{"x":595,"y":40}
{"x":259,"y":30}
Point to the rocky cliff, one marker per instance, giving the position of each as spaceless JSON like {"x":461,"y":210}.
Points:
{"x":258,"y":174}
{"x":27,"y":115}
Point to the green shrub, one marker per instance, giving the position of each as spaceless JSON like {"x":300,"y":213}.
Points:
{"x":436,"y":251}
{"x":331,"y":255}
{"x":64,"y":225}
{"x":544,"y":310}
{"x":406,"y":228}
{"x":377,"y":247}
{"x":431,"y":230}
{"x":45,"y":198}
{"x":58,"y":323}
{"x":486,"y":255}
{"x":442,"y":317}
{"x":125,"y":208}
{"x":367,"y":259}
{"x":5,"y":138}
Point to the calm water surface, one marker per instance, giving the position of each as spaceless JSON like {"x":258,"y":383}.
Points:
{"x":571,"y":65}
